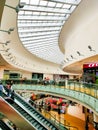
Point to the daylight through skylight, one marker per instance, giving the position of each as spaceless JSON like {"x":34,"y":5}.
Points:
{"x":39,"y":26}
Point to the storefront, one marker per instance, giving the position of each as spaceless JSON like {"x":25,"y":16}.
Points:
{"x":90,"y":73}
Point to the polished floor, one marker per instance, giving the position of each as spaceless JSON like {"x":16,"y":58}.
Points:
{"x":76,"y":123}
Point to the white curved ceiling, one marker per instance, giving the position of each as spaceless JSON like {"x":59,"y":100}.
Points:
{"x":82,"y":33}
{"x":78,"y":32}
{"x":39,"y":26}
{"x":14,"y":53}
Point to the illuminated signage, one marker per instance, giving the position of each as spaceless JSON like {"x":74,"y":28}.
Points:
{"x":90,"y":65}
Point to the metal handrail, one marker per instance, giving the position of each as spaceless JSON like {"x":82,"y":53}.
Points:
{"x":75,"y":90}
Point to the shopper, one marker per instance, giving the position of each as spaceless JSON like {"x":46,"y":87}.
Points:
{"x":8,"y":89}
{"x":59,"y":109}
{"x":1,"y":88}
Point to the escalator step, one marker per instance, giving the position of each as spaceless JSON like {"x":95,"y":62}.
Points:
{"x":31,"y":110}
{"x":32,"y":121}
{"x":38,"y":126}
{"x":41,"y":128}
{"x":51,"y":126}
{"x":40,"y":118}
{"x":36,"y":114}
{"x":35,"y":123}
{"x":43,"y":120}
{"x":25,"y":114}
{"x":21,"y":111}
{"x":27,"y":117}
{"x":28,"y":106}
{"x":17,"y":107}
{"x":46,"y":122}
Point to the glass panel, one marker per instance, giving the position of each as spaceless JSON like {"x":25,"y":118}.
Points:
{"x":66,"y":6}
{"x":59,"y":5}
{"x":51,"y":4}
{"x":35,"y":2}
{"x":44,"y":3}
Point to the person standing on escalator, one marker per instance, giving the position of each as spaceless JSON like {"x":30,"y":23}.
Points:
{"x":8,"y":87}
{"x":1,"y":88}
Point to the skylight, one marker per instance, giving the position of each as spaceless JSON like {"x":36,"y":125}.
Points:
{"x":39,"y":26}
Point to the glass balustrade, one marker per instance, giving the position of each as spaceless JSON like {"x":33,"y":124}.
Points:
{"x":86,"y":93}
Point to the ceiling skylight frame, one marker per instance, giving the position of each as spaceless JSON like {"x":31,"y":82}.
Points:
{"x":39,"y":21}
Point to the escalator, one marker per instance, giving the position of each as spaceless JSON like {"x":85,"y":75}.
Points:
{"x":36,"y":114}
{"x":14,"y":116}
{"x":36,"y":119}
{"x":4,"y":126}
{"x":36,"y":124}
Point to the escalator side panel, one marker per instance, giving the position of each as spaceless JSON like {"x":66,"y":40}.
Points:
{"x":14,"y":116}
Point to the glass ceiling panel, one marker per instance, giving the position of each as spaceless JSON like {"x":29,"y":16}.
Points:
{"x":38,"y":34}
{"x":43,"y":18}
{"x":39,"y":26}
{"x":23,"y":39}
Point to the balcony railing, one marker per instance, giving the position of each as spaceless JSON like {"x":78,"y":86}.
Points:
{"x":81,"y":92}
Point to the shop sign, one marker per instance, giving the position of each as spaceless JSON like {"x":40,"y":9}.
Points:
{"x":90,"y":65}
